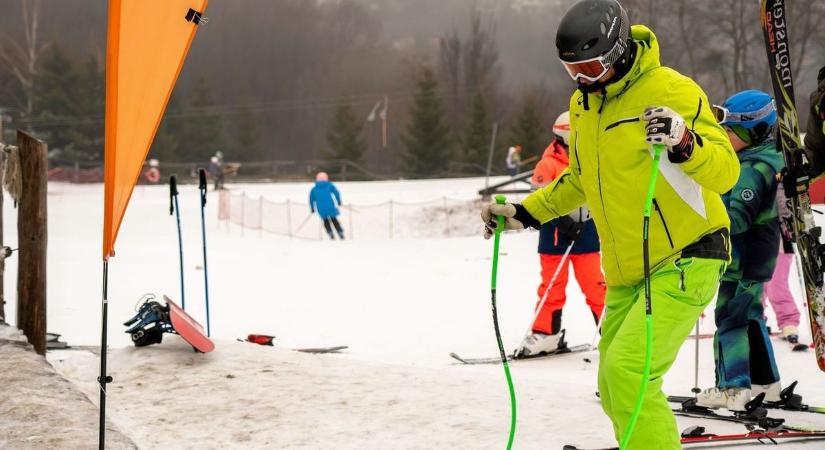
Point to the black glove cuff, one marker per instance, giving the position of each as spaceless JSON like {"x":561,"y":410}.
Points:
{"x":525,"y":218}
{"x":682,"y":151}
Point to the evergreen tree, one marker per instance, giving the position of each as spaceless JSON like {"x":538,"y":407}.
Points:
{"x":87,"y":135}
{"x":200,"y":134}
{"x":245,"y":133}
{"x":55,"y":104}
{"x":426,"y":142}
{"x":344,"y":136}
{"x":528,"y":130}
{"x":165,"y":146}
{"x":477,"y":134}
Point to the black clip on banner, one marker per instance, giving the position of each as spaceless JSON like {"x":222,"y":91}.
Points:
{"x":202,"y":186}
{"x":173,"y":191}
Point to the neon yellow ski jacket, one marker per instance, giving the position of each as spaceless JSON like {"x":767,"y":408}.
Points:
{"x":610,"y":168}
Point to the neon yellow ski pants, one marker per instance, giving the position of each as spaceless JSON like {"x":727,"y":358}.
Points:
{"x":680,"y":291}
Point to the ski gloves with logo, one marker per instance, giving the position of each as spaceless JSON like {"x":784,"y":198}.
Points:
{"x":667,"y":127}
{"x":516,"y":217}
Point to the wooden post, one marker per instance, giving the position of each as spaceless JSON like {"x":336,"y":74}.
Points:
{"x":32,"y":234}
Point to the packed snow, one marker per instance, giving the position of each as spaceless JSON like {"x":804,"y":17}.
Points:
{"x":400,"y":305}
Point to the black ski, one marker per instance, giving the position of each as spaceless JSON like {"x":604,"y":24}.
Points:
{"x":796,"y":178}
{"x":316,"y":350}
{"x":335,"y":349}
{"x":512,"y":357}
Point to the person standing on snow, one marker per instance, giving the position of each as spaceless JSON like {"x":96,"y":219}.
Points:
{"x":745,"y":364}
{"x":555,"y":237}
{"x":777,"y":290}
{"x":625,"y":102}
{"x":215,"y":169}
{"x":513,"y":160}
{"x":325,"y":198}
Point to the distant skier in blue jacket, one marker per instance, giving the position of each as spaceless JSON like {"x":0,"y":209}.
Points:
{"x":325,"y":198}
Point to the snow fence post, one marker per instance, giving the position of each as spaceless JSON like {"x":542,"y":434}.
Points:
{"x":288,"y":220}
{"x":390,"y":219}
{"x":260,"y":216}
{"x":447,"y":216}
{"x":351,"y":228}
{"x":243,"y":212}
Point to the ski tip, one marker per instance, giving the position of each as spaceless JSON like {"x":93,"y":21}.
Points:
{"x":570,"y":447}
{"x":800,"y":348}
{"x":456,"y":357}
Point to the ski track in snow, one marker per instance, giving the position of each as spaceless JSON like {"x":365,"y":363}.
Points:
{"x":400,"y":305}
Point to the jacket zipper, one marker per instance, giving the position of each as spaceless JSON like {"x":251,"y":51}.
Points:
{"x":664,"y":224}
{"x":622,"y":121}
{"x":601,"y":195}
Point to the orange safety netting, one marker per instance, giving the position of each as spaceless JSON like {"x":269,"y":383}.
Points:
{"x":147,"y":44}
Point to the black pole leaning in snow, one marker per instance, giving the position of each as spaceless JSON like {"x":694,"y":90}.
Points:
{"x":174,"y":209}
{"x":202,"y":188}
{"x":103,"y":379}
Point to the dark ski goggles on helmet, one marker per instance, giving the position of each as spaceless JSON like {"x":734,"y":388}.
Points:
{"x":594,"y":68}
{"x":725,"y":116}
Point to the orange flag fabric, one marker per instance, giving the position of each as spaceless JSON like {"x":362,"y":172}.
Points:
{"x":147,"y":44}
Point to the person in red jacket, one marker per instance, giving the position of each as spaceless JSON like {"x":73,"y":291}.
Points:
{"x":554,"y":239}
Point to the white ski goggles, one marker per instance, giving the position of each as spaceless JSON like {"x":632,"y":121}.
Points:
{"x":594,"y":68}
{"x":724,"y":115}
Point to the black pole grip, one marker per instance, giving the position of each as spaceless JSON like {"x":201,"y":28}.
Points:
{"x":173,"y":191}
{"x":202,"y":187}
{"x":202,"y":176}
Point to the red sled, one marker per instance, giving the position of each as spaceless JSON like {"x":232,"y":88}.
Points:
{"x":188,"y":328}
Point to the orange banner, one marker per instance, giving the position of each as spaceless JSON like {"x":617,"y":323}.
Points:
{"x":147,"y":44}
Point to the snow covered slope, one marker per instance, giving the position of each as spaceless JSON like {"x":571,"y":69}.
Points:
{"x":400,"y":305}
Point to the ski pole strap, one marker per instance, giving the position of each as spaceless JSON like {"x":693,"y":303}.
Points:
{"x":173,"y":191}
{"x":202,"y":185}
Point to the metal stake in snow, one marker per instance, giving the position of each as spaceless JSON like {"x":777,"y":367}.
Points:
{"x":202,"y":188}
{"x":174,"y":209}
{"x":500,"y":226}
{"x":657,"y":154}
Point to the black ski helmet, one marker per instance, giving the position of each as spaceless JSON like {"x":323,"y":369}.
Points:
{"x":592,"y":36}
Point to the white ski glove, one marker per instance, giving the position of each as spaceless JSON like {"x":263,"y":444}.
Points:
{"x":667,"y":127}
{"x":516,"y":217}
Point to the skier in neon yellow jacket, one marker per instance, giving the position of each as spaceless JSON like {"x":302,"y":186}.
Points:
{"x":625,"y":102}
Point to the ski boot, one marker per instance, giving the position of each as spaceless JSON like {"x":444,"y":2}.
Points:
{"x":536,"y":343}
{"x":790,"y":333}
{"x":149,"y":324}
{"x":733,"y":399}
{"x":772,"y":391}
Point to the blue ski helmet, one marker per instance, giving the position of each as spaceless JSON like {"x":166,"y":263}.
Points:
{"x":751,"y":110}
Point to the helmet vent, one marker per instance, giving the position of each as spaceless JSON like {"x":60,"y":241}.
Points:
{"x":603,"y":27}
{"x":589,"y":44}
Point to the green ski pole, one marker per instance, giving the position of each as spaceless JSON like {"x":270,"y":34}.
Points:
{"x":657,"y":154}
{"x":500,"y":226}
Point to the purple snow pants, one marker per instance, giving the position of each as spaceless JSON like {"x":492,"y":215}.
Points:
{"x":779,"y":294}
